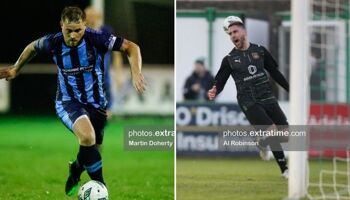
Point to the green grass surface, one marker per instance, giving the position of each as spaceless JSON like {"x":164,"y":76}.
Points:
{"x":34,"y":155}
{"x":240,"y":179}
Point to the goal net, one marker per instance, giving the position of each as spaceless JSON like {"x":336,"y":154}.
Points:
{"x":328,"y":158}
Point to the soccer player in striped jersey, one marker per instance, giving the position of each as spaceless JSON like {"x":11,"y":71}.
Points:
{"x":79,"y":52}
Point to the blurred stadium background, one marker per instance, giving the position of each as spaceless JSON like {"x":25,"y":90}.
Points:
{"x":35,"y":147}
{"x":204,"y":171}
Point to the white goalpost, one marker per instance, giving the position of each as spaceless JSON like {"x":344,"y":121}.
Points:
{"x":299,"y":89}
{"x":320,"y":57}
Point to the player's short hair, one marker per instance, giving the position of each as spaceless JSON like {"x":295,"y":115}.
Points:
{"x":237,"y":24}
{"x":72,"y":14}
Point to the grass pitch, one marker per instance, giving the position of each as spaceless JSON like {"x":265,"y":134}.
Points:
{"x":240,"y":179}
{"x":34,"y":155}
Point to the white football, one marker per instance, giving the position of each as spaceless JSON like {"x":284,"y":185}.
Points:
{"x":93,"y":190}
{"x":230,"y":20}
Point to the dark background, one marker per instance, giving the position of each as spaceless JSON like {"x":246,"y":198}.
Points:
{"x":150,"y":24}
{"x":24,"y":21}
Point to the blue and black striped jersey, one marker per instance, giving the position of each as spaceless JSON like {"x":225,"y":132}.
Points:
{"x":80,"y":69}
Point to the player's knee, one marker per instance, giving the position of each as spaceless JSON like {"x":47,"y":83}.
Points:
{"x":84,"y":130}
{"x":87,"y":138}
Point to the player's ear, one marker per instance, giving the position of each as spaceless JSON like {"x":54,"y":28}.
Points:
{"x":61,"y":24}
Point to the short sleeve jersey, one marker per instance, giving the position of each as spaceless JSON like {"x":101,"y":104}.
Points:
{"x":80,"y":69}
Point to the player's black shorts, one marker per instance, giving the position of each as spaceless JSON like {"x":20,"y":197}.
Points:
{"x":266,"y":114}
{"x":70,"y":111}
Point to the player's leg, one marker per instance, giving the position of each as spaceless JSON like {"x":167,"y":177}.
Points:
{"x":98,"y":118}
{"x":256,"y":116}
{"x":69,"y":112}
{"x":278,"y":117}
{"x":280,"y":158}
{"x":75,"y":117}
{"x":276,"y":114}
{"x":88,"y":154}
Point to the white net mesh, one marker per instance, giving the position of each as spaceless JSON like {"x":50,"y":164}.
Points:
{"x":329,"y":168}
{"x":333,"y":183}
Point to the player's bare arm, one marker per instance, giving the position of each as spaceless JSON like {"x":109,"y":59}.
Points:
{"x":135,"y":60}
{"x":12,"y":71}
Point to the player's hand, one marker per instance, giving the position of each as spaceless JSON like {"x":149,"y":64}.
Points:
{"x":8,"y":72}
{"x":212,"y":93}
{"x":139,"y":83}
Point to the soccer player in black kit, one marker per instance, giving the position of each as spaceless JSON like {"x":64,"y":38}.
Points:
{"x":247,"y":63}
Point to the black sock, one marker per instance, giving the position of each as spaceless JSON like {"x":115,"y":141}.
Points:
{"x":277,"y":151}
{"x":92,"y":162}
{"x":279,"y":156}
{"x":77,"y":168}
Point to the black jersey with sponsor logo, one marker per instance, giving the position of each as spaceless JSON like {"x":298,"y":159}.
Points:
{"x":248,"y":69}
